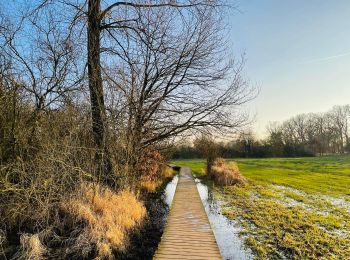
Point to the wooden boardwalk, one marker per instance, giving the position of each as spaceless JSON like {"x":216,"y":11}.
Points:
{"x":187,"y":234}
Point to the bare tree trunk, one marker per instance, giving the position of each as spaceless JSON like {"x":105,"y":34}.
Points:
{"x":98,"y":111}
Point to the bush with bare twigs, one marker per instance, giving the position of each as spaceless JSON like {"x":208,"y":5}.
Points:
{"x":151,"y":184}
{"x":153,"y":170}
{"x":50,"y":159}
{"x":226,"y":173}
{"x":46,"y":165}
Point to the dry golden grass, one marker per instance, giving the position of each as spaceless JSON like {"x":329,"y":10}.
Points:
{"x":150,"y":185}
{"x":219,"y":162}
{"x":108,"y":217}
{"x":32,"y":247}
{"x":226,"y":173}
{"x":167,"y":172}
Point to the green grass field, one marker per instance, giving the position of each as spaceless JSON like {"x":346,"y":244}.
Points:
{"x":325,"y":175}
{"x":294,"y":208}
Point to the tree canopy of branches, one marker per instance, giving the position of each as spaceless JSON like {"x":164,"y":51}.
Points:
{"x":166,"y":89}
{"x":160,"y":69}
{"x":155,"y":69}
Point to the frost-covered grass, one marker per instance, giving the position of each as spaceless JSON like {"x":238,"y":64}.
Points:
{"x":278,"y":223}
{"x":294,"y":208}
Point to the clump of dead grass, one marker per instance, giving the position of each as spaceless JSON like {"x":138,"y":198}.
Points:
{"x":32,"y":247}
{"x":167,"y":172}
{"x":107,"y":217}
{"x":149,"y":184}
{"x":226,"y":173}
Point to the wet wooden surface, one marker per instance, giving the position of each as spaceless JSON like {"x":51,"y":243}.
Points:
{"x":187,"y":234}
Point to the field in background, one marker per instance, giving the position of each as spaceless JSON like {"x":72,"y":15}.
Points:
{"x":294,"y":207}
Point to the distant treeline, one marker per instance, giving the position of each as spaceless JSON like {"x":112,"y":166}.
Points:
{"x":302,"y":135}
{"x":244,"y":148}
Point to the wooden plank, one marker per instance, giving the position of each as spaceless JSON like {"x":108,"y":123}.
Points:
{"x":188,"y":234}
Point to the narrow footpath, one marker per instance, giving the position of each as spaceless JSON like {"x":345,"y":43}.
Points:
{"x":187,"y":234}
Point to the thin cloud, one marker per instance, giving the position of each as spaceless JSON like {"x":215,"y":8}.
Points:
{"x":328,"y":58}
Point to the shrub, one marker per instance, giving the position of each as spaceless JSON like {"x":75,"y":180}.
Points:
{"x":149,"y":164}
{"x":219,"y":162}
{"x":107,"y":217}
{"x":152,"y":170}
{"x":226,"y":173}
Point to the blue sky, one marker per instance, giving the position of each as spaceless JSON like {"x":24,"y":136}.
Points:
{"x":298,"y":54}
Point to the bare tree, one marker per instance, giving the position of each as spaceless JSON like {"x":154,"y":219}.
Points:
{"x":209,"y":149}
{"x":339,"y":116}
{"x":318,"y":133}
{"x":98,"y":21}
{"x":276,"y":138}
{"x":94,"y":69}
{"x":102,"y":19}
{"x":172,"y":74}
{"x":44,"y":66}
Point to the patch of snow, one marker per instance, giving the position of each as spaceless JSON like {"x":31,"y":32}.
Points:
{"x":335,"y":202}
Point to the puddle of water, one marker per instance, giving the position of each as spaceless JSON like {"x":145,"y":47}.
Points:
{"x":226,"y":231}
{"x":169,"y":191}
